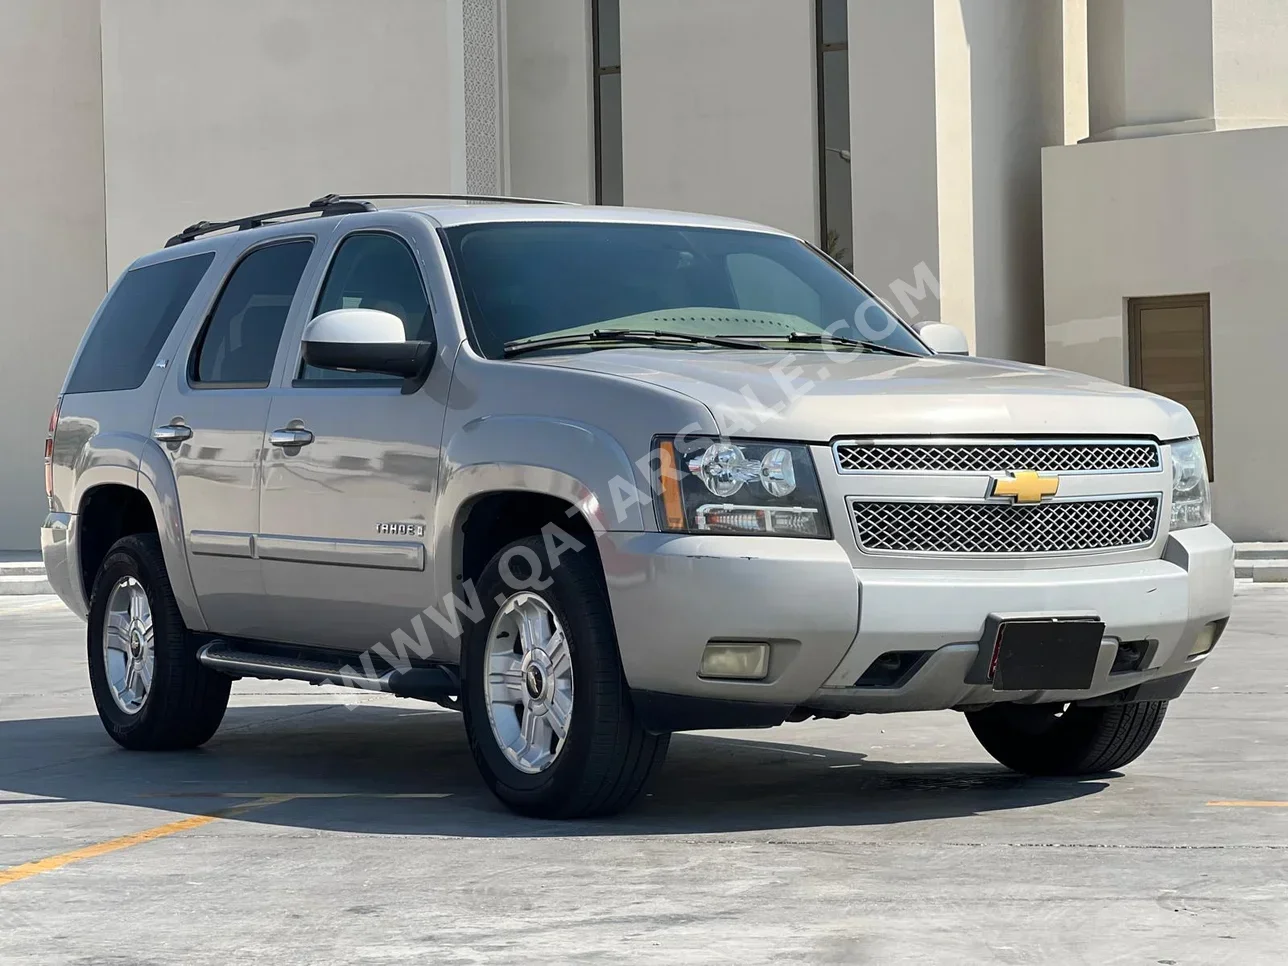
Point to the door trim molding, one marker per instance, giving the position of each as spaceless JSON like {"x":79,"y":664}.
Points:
{"x":378,"y":555}
{"x":221,"y":543}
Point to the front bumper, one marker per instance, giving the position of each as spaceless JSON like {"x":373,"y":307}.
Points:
{"x":827,"y":622}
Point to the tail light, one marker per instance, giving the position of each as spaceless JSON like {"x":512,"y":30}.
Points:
{"x":49,"y":452}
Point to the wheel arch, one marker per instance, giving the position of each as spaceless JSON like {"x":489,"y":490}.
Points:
{"x":523,"y":468}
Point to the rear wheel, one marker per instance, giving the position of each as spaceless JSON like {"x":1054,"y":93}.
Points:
{"x":547,"y":712}
{"x":1057,"y":739}
{"x":151,"y":691}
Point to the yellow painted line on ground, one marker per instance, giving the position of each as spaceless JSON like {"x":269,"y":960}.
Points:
{"x":19,"y":872}
{"x":1249,"y":804}
{"x":302,"y":795}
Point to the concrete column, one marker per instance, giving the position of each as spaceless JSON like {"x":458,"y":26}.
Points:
{"x":52,"y":260}
{"x":952,"y":101}
{"x":550,"y":108}
{"x":718,"y":108}
{"x":895,"y":132}
{"x":1182,"y":66}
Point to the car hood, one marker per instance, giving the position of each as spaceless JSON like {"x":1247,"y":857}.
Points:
{"x":816,"y":396}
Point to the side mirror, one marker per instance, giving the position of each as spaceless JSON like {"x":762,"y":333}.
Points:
{"x":367,"y":340}
{"x":946,"y":340}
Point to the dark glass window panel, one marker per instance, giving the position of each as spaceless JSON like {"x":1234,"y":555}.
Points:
{"x":241,"y":341}
{"x":608,"y":43}
{"x":834,"y":21}
{"x":374,"y":270}
{"x":526,"y":280}
{"x":611,"y":190}
{"x":838,"y":188}
{"x":134,"y":324}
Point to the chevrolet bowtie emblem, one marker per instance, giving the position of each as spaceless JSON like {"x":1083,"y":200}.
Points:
{"x":1024,"y":486}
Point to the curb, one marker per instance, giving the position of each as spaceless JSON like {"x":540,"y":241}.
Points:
{"x":1270,"y":572}
{"x":24,"y":584}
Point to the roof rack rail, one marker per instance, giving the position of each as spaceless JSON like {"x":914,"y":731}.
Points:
{"x":334,"y":204}
{"x":323,"y":207}
{"x":503,"y":199}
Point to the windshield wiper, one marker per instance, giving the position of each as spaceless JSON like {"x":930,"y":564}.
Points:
{"x":826,"y":338}
{"x":633,"y":336}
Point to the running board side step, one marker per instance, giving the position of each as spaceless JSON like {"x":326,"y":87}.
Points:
{"x":425,"y":683}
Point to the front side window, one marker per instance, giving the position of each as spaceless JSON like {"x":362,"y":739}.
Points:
{"x":134,"y":324}
{"x":528,"y":280}
{"x":374,"y":270}
{"x":239,"y":345}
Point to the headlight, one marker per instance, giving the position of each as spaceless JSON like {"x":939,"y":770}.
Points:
{"x":739,"y":486}
{"x":1191,"y":501}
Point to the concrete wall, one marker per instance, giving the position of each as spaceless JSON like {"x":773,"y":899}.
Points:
{"x":551,"y":100}
{"x":1150,"y":62}
{"x":896,"y":165}
{"x":1250,"y":63}
{"x":718,"y":108}
{"x":947,"y":166}
{"x":51,"y":244}
{"x":219,"y":109}
{"x":1173,"y":66}
{"x":1178,"y":215}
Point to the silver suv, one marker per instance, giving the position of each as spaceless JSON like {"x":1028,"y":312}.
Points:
{"x":596,"y":475}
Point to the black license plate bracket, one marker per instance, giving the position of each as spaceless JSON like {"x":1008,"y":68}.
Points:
{"x":1046,"y":653}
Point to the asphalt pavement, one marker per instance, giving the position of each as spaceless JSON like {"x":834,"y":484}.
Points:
{"x":314,"y":831}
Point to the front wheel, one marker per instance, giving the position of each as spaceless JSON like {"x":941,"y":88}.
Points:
{"x":1067,"y":740}
{"x":547,"y":712}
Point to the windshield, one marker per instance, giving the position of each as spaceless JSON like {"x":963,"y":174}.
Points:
{"x":531,"y":280}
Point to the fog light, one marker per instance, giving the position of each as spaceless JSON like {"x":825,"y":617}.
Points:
{"x":1206,"y":640}
{"x":745,"y":662}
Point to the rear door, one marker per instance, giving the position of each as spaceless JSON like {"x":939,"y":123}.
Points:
{"x":210,"y":419}
{"x":345,"y":515}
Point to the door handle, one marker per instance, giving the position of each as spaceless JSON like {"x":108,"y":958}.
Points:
{"x":172,"y":433}
{"x":290,"y":437}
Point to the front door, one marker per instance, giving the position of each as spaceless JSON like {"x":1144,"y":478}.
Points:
{"x":210,"y":419}
{"x":351,"y":471}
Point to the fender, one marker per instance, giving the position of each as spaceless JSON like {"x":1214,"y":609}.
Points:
{"x":157,"y":483}
{"x":97,"y":459}
{"x":575,"y":462}
{"x":138,"y":462}
{"x":102,"y":459}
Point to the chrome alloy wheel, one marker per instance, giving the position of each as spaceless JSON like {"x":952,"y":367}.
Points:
{"x":129,"y":654}
{"x":529,"y":689}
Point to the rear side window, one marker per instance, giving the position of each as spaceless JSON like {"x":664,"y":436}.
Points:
{"x":239,"y":344}
{"x":135,"y":323}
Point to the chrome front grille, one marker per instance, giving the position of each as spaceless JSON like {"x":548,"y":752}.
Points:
{"x":1062,"y":526}
{"x":983,"y":456}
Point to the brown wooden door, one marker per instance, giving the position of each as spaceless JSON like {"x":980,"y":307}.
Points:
{"x":1171,"y":354}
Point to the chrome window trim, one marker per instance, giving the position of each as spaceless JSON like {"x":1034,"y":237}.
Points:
{"x":894,"y":441}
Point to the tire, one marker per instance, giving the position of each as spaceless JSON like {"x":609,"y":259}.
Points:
{"x":605,"y":758}
{"x":185,"y":702}
{"x":1040,"y":740}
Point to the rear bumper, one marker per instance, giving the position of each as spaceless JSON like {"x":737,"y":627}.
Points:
{"x":62,"y":568}
{"x":827,"y":622}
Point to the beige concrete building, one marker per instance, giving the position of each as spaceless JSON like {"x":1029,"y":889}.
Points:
{"x":905,"y":136}
{"x":1166,"y":232}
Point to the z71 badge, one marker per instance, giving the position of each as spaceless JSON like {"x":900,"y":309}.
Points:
{"x":400,"y":529}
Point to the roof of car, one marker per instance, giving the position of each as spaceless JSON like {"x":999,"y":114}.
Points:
{"x":446,"y":211}
{"x":451,"y":215}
